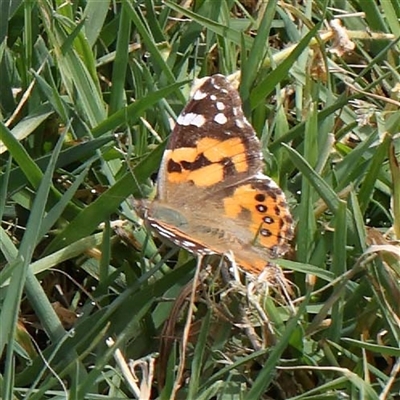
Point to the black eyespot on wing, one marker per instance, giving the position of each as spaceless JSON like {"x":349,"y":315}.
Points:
{"x":268,"y":220}
{"x":265,"y":232}
{"x":259,"y":197}
{"x":261,"y":208}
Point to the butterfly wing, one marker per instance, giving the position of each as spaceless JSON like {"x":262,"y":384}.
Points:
{"x":212,"y":145}
{"x":212,"y":196}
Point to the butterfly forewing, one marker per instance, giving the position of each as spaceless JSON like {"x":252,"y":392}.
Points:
{"x":212,"y":143}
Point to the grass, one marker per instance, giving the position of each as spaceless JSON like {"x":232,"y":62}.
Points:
{"x":88,"y":92}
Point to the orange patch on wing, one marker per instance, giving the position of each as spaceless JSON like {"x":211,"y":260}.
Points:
{"x":216,"y":150}
{"x":178,"y":177}
{"x":254,"y":267}
{"x":206,"y":144}
{"x":232,"y":207}
{"x":266,"y":241}
{"x":204,"y":176}
{"x":207,"y":176}
{"x":243,"y":198}
{"x":188,"y":154}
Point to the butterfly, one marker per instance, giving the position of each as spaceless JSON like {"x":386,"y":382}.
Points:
{"x":212,"y":197}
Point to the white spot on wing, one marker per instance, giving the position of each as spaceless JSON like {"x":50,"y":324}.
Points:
{"x":213,"y":97}
{"x":220,"y":105}
{"x":162,"y":231}
{"x":240,"y":123}
{"x":191,"y":119}
{"x":267,"y":180}
{"x":197,"y":84}
{"x":216,"y":86}
{"x":198,"y":121}
{"x":199,"y":95}
{"x":186,"y":243}
{"x":221,"y":119}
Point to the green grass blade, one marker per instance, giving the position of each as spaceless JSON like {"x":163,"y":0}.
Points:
{"x":198,"y":357}
{"x":9,"y":312}
{"x":221,"y":30}
{"x":131,"y":113}
{"x":88,"y":220}
{"x":324,"y":190}
{"x":95,"y":15}
{"x":117,"y":98}
{"x":159,"y":62}
{"x":368,"y":185}
{"x":339,"y":267}
{"x":265,"y":376}
{"x":395,"y":170}
{"x":258,"y":51}
{"x":307,"y":223}
{"x":267,"y":85}
{"x":21,"y":156}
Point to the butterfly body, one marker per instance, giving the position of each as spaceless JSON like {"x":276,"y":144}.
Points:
{"x":212,"y":197}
